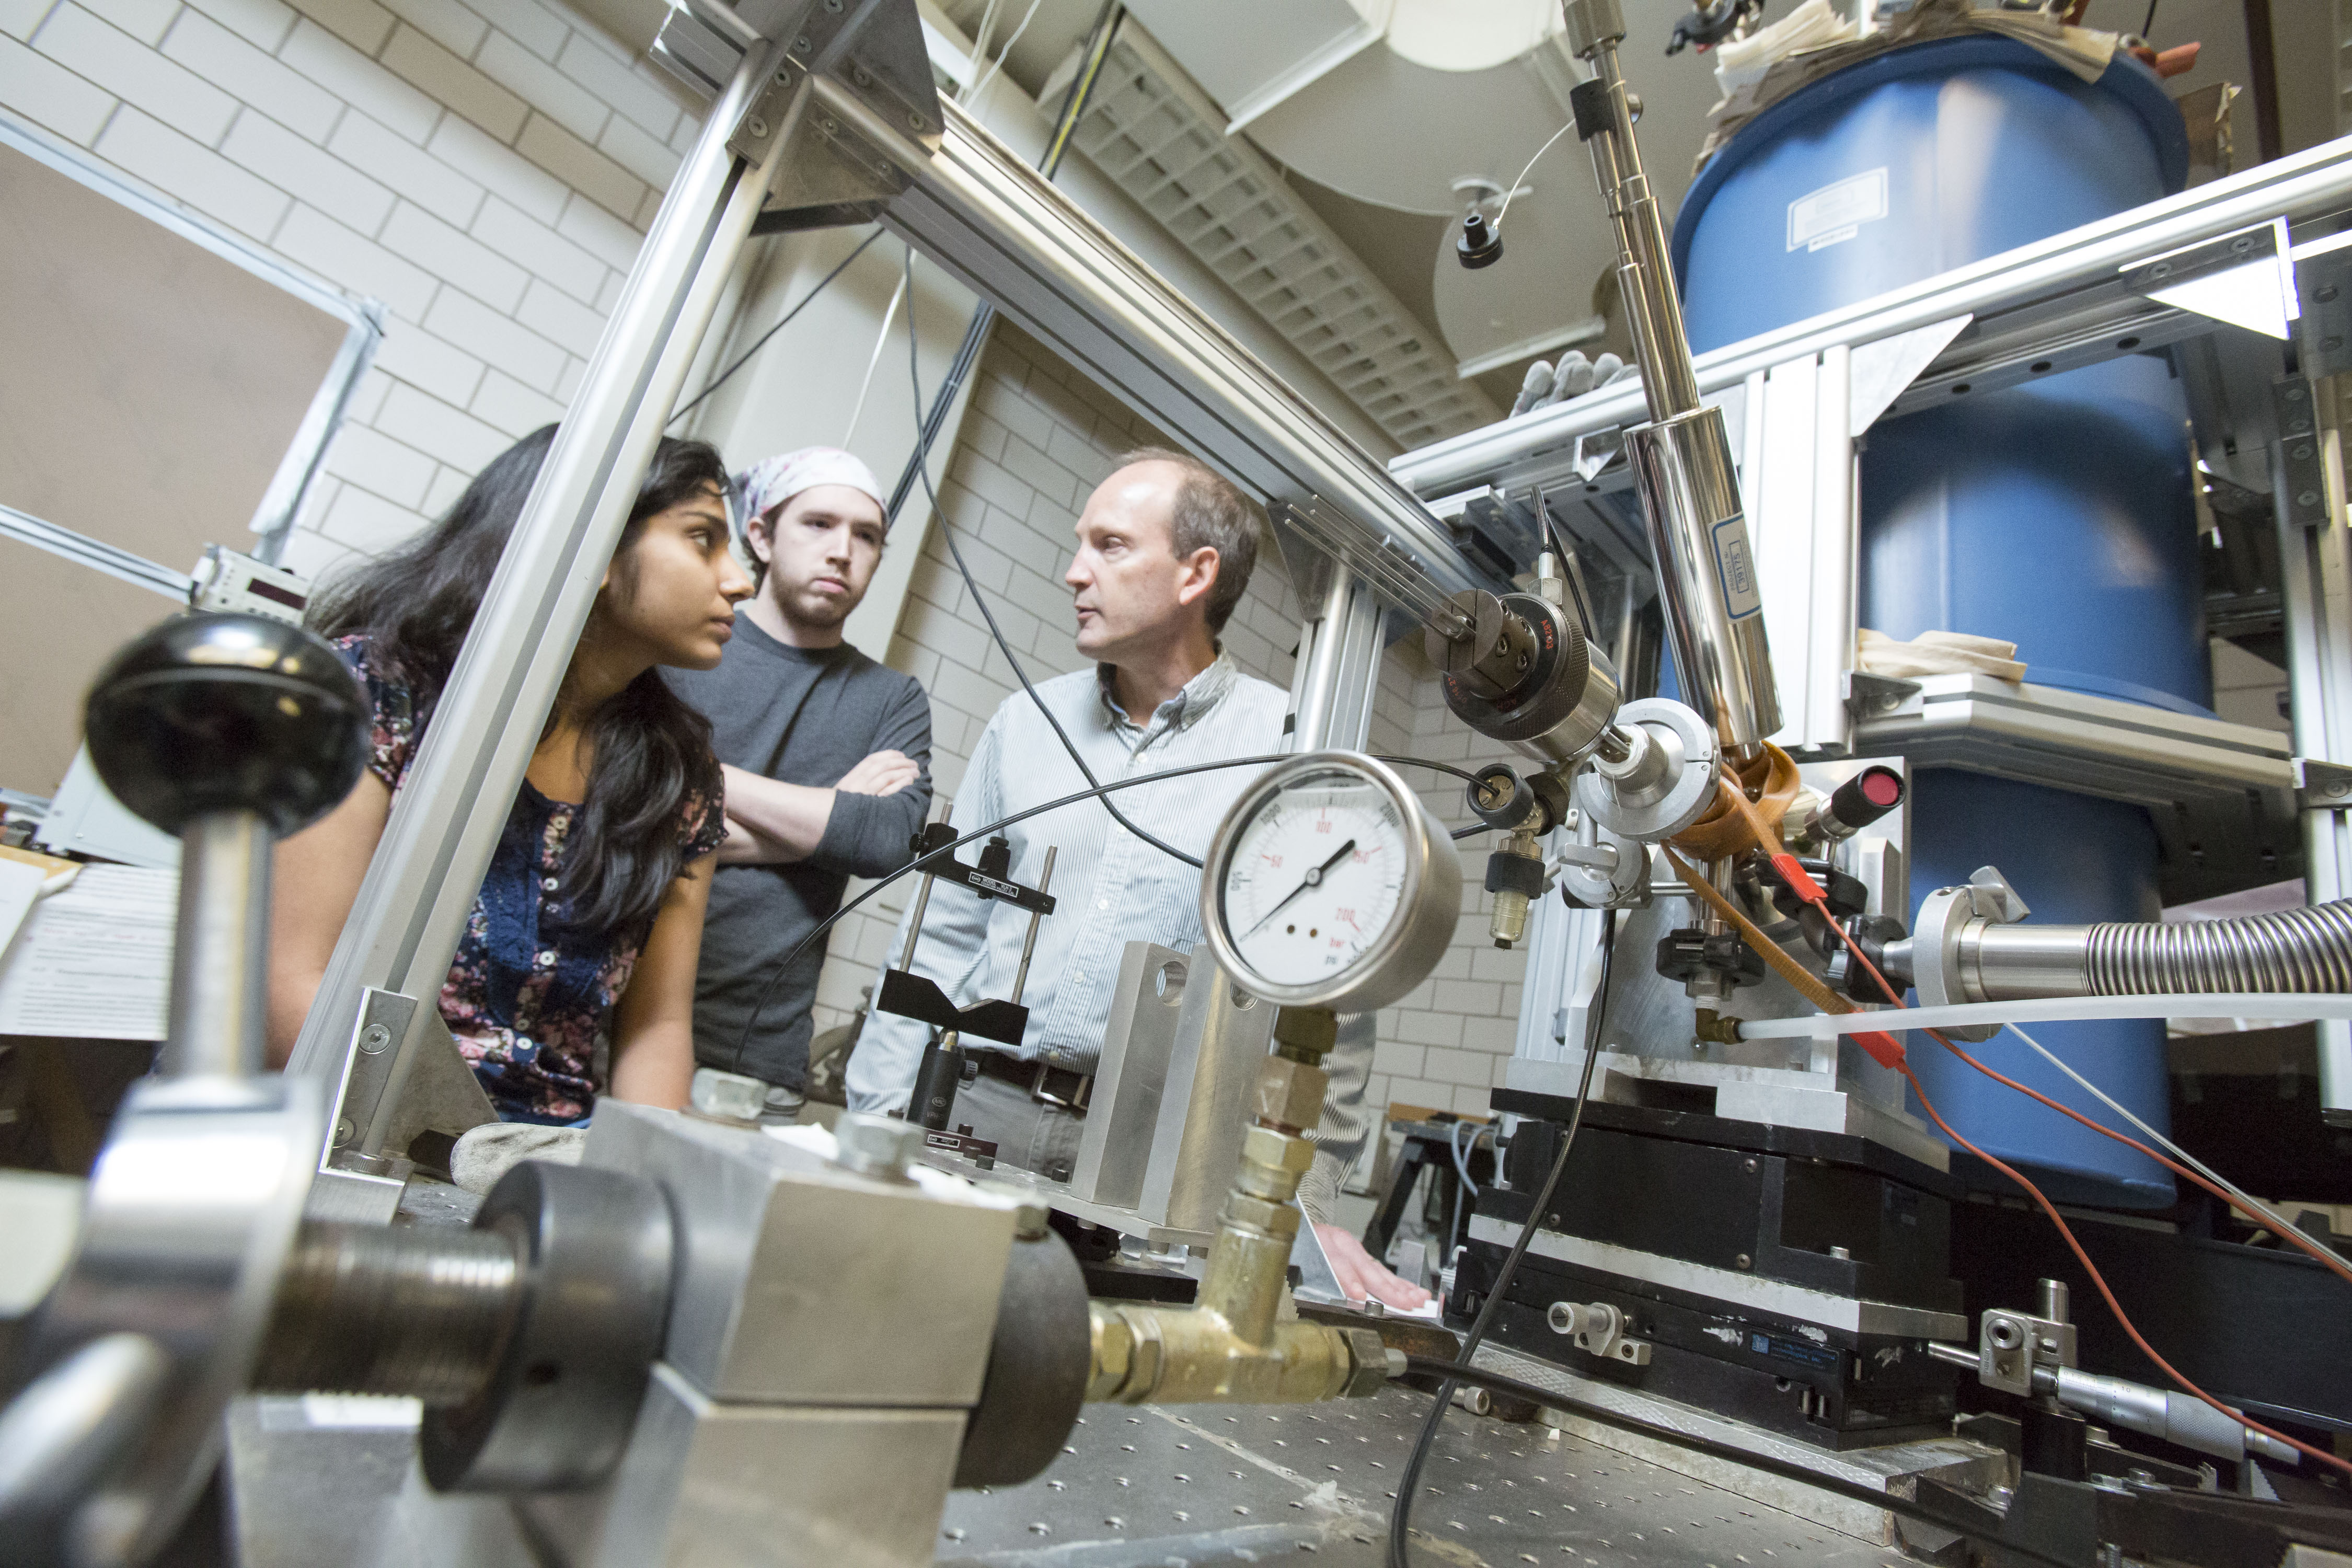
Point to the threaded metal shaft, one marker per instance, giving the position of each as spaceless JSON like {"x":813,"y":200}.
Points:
{"x":2307,"y":950}
{"x":364,"y":1309}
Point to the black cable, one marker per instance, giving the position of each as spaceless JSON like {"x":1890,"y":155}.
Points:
{"x":2148,"y":28}
{"x":947,"y":531}
{"x":745,"y":358}
{"x":1401,"y":1522}
{"x":1892,"y":1502}
{"x":922,"y":862}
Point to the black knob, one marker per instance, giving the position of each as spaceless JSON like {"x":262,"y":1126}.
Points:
{"x":1481,"y":244}
{"x":227,"y":712}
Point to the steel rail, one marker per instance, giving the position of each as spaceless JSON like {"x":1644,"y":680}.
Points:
{"x":2081,"y":270}
{"x":1007,"y":233}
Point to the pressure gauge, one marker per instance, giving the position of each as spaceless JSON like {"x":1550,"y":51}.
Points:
{"x":1330,"y":884}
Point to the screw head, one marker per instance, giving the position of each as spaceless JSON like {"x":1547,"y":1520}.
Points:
{"x":916,"y":121}
{"x":756,"y":126}
{"x":374,"y":1038}
{"x":1745,"y":1261}
{"x":2323,"y":293}
{"x":2308,"y":498}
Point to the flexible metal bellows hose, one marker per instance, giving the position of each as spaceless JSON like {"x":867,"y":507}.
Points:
{"x":2292,"y":951}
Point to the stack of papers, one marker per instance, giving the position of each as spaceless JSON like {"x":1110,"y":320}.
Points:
{"x":92,"y":961}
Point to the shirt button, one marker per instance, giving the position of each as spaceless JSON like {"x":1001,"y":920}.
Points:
{"x":547,"y":958}
{"x":1102,"y":903}
{"x":548,"y":883}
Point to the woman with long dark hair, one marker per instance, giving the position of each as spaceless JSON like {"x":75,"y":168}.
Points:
{"x":582,"y":946}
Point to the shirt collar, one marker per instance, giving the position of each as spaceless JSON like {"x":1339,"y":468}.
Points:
{"x":1199,"y":697}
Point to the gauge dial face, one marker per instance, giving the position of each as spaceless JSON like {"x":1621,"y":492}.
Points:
{"x":1316,"y":877}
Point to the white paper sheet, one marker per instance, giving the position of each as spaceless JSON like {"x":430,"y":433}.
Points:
{"x":93,"y":961}
{"x":19,"y":884}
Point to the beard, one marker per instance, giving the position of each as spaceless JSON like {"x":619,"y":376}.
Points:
{"x":803,"y":606}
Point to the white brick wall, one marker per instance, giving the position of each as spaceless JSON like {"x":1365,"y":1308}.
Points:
{"x":485,"y":169}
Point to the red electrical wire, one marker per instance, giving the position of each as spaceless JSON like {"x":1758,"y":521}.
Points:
{"x":1806,"y":889}
{"x":2108,"y":1296}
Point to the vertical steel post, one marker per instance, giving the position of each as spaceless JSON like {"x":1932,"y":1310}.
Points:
{"x":2316,"y":576}
{"x":218,"y":965}
{"x":1682,"y":458}
{"x":1339,"y":668}
{"x":413,"y":906}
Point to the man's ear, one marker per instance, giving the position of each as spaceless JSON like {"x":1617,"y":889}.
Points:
{"x":1199,"y":576}
{"x":758,"y":533}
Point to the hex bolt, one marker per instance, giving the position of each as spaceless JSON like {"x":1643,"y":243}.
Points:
{"x":877,"y":1146}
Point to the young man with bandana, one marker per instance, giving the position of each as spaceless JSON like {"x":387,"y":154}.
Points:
{"x":826,"y":756}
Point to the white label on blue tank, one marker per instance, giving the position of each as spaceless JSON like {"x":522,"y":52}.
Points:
{"x":1837,"y":212}
{"x":1740,"y":598}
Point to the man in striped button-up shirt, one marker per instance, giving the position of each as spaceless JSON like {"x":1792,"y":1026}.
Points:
{"x":1165,"y":549}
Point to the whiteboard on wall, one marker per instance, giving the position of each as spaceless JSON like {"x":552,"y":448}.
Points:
{"x":167,"y":385}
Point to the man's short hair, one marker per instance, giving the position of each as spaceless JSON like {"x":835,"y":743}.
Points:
{"x":1210,"y":510}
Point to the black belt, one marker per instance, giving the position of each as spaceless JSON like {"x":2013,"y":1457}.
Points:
{"x":1040,"y":1080}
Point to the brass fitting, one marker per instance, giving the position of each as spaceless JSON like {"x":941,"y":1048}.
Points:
{"x":1306,"y":1035}
{"x":1507,"y":922}
{"x":1241,"y":1339}
{"x":1716,"y":1029}
{"x":1289,"y":1094}
{"x":1169,"y":1355}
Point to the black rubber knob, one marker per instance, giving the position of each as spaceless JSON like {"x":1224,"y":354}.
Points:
{"x":227,"y":712}
{"x":1480,"y":243}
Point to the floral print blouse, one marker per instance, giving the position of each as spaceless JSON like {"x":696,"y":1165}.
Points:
{"x":529,"y":998}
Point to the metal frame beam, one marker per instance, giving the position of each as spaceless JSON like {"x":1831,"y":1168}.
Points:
{"x":2022,"y":306}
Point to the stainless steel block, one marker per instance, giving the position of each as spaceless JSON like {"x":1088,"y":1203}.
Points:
{"x":801,"y":1282}
{"x":1223,"y":1033}
{"x":1145,"y":1010}
{"x":713,"y":1485}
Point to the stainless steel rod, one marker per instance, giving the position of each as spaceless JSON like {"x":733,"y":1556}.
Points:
{"x":1029,"y":942}
{"x":1007,"y":233}
{"x":219,"y":975}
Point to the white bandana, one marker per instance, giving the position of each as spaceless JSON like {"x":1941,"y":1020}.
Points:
{"x":772,"y":482}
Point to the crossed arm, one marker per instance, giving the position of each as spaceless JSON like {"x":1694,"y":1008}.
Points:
{"x":771,"y":823}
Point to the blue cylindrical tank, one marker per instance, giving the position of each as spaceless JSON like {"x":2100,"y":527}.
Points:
{"x":2057,"y":515}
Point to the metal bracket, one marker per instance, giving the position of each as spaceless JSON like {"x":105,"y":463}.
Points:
{"x":2322,"y":787}
{"x":1598,"y":1329}
{"x":2323,"y":333}
{"x":2242,"y":278}
{"x":385,"y":1018}
{"x":2011,"y":1344}
{"x":1871,"y":696}
{"x":2300,"y":479}
{"x":766,"y":118}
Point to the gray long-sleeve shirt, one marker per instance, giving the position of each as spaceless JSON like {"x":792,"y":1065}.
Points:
{"x":805,"y":716}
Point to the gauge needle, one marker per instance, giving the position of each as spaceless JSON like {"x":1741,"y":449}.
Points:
{"x":1312,"y":879}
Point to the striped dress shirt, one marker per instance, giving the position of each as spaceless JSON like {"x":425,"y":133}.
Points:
{"x":1110,"y":887}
